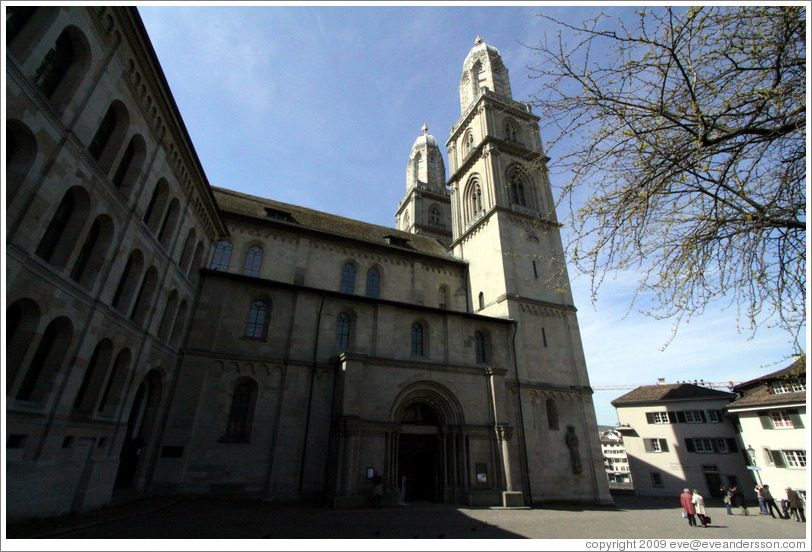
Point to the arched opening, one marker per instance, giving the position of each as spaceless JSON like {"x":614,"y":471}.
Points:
{"x":140,"y":425}
{"x":21,"y":151}
{"x":420,"y":454}
{"x":22,"y":321}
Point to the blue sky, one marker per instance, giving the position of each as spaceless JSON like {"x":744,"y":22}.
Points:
{"x":319,"y":106}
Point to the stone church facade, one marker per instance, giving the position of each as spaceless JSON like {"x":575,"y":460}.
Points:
{"x":166,"y":335}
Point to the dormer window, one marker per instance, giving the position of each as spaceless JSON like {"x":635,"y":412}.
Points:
{"x":396,"y":240}
{"x":780,"y":387}
{"x":276,"y":214}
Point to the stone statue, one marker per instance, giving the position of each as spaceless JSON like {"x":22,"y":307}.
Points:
{"x":575,"y":456}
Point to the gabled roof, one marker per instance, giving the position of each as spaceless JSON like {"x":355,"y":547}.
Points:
{"x":757,"y":392}
{"x":301,"y":218}
{"x":670,"y":392}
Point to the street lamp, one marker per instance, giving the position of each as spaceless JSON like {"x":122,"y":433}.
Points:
{"x":752,"y":453}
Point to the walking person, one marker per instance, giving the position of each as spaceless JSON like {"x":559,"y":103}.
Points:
{"x":796,"y":505}
{"x":737,"y":499}
{"x":728,"y":503}
{"x":688,"y":509}
{"x":769,"y":501}
{"x":699,"y":505}
{"x":762,"y":505}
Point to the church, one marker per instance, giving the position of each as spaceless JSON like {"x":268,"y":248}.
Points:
{"x":165,"y":335}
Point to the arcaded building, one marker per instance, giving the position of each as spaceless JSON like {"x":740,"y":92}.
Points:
{"x":166,"y":335}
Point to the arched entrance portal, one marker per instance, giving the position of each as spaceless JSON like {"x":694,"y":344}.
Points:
{"x":140,"y":423}
{"x":429,"y":460}
{"x":419,"y":454}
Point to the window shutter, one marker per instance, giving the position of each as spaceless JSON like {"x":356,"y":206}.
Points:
{"x":650,"y":417}
{"x":663,"y":445}
{"x":689,"y":445}
{"x":681,"y":416}
{"x":796,"y":418}
{"x":672,"y":417}
{"x":778,"y":458}
{"x":647,"y":443}
{"x":766,"y":422}
{"x":731,"y":445}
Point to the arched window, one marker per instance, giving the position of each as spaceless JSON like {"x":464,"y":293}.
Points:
{"x":373,"y":282}
{"x":169,"y":223}
{"x":168,"y":316}
{"x":156,"y":206}
{"x":435,"y":217}
{"x":481,"y":300}
{"x":196,"y":260}
{"x":91,"y":257}
{"x":143,"y":300}
{"x":342,"y":331}
{"x":94,"y":376}
{"x":22,"y":322}
{"x":257,"y":320}
{"x":510,"y":131}
{"x":59,"y":240}
{"x":180,"y":323}
{"x":103,"y":133}
{"x":130,"y":164}
{"x":222,"y":256}
{"x":46,"y":362}
{"x":21,"y":151}
{"x":238,"y":428}
{"x":443,"y":297}
{"x":517,"y":190}
{"x":469,"y":143}
{"x":55,"y":65}
{"x":115,"y":383}
{"x":129,"y":279}
{"x":552,"y":415}
{"x":348,"y":278}
{"x":253,"y":261}
{"x":417,"y":339}
{"x":479,"y":347}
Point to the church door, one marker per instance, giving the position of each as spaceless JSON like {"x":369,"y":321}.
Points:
{"x":420,"y":455}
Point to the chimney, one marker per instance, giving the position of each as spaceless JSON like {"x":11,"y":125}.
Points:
{"x":660,"y":381}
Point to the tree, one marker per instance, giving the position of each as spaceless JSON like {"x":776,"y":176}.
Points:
{"x":686,"y":151}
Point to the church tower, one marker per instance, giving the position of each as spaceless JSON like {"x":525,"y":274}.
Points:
{"x":426,"y":207}
{"x":505,"y":228}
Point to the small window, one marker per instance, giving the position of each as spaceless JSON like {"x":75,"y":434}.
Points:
{"x":373,"y":283}
{"x":239,"y":416}
{"x":788,"y":387}
{"x":795,"y":458}
{"x":253,"y":261}
{"x":348,"y":278}
{"x":694,"y":417}
{"x":517,"y":195}
{"x":222,"y":256}
{"x":443,"y":298}
{"x":342,"y":341}
{"x":417,"y":339}
{"x":781,"y":419}
{"x":656,"y":479}
{"x":257,"y":320}
{"x":715,"y":416}
{"x":481,"y":300}
{"x":655,"y":445}
{"x":435,"y":218}
{"x":479,"y":346}
{"x":657,"y":417}
{"x":552,"y":415}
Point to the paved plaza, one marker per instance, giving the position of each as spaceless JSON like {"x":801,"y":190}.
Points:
{"x":222,"y":518}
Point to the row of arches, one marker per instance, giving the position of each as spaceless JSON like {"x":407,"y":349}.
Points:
{"x":37,"y":356}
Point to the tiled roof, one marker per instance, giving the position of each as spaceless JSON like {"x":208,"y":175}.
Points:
{"x":756,"y":392}
{"x":301,"y":217}
{"x":670,"y":392}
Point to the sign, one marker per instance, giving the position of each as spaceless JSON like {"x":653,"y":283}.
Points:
{"x":754,"y":468}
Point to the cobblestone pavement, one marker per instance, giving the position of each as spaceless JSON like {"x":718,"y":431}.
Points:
{"x":222,"y":518}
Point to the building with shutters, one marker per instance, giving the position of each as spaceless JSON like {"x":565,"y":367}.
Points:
{"x":165,"y":335}
{"x":677,"y":436}
{"x":770,"y":413}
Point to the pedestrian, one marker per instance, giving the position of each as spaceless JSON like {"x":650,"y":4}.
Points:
{"x":727,"y":491}
{"x":737,"y":499}
{"x":699,"y":505}
{"x":796,"y":504}
{"x":688,"y":510}
{"x":377,"y":490}
{"x":762,"y":505}
{"x":769,"y":501}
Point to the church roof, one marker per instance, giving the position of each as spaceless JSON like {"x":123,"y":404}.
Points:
{"x":669,"y":392}
{"x":326,"y":223}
